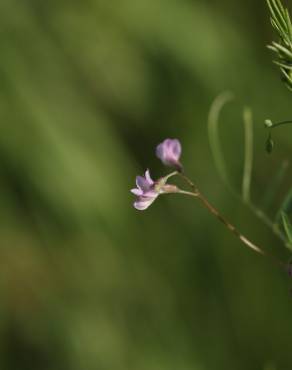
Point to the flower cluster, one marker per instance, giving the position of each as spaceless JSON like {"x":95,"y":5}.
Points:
{"x":147,"y":190}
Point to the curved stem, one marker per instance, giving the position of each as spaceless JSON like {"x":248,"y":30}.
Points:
{"x":260,"y":214}
{"x":248,"y":243}
{"x":279,"y":124}
{"x":229,"y":226}
{"x":188,"y":181}
{"x":165,"y":178}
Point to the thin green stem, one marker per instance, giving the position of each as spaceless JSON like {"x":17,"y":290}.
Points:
{"x":248,"y":155}
{"x":188,"y":181}
{"x":170,"y":175}
{"x":274,"y":125}
{"x":260,"y":214}
{"x":248,"y":243}
{"x":213,"y":130}
{"x":188,"y":193}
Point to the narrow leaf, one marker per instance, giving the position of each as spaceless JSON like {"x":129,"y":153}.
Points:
{"x":286,"y":206}
{"x":248,"y":154}
{"x":288,"y":229}
{"x":214,"y":140}
{"x":274,"y":185}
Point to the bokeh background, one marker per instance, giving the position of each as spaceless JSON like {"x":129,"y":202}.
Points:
{"x":88,"y":89}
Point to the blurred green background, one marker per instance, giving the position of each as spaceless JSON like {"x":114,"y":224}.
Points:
{"x":88,"y":89}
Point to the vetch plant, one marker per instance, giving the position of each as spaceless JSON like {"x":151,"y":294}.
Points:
{"x":169,"y":152}
{"x":148,"y":190}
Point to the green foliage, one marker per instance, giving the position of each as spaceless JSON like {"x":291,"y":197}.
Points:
{"x":288,"y":229}
{"x":248,"y":155}
{"x":221,"y":164}
{"x":270,"y":144}
{"x":286,"y":205}
{"x":214,"y":138}
{"x":281,"y":22}
{"x":88,"y":87}
{"x":274,"y":185}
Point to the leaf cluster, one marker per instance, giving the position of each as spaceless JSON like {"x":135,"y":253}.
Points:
{"x":281,"y":22}
{"x":279,"y":223}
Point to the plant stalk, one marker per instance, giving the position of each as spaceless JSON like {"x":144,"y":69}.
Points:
{"x":247,"y":242}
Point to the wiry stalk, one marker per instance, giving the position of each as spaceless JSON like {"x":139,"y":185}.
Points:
{"x":248,"y":243}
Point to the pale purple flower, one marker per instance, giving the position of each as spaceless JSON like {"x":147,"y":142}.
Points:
{"x":169,"y":152}
{"x":148,"y":190}
{"x":145,"y":191}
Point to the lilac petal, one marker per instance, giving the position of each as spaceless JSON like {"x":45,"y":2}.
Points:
{"x":160,"y":151}
{"x":142,"y":183}
{"x":150,"y":194}
{"x":148,"y":178}
{"x":137,"y":192}
{"x":143,"y":203}
{"x":176,"y":148}
{"x":168,"y":143}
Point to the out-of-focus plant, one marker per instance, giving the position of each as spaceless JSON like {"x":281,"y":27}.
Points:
{"x":216,"y":148}
{"x":281,"y":225}
{"x":281,"y":217}
{"x":281,"y":22}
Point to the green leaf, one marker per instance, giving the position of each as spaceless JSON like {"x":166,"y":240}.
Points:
{"x":288,"y":229}
{"x":281,"y":22}
{"x":248,"y":154}
{"x":274,"y":185}
{"x":286,"y":205}
{"x":214,"y":140}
